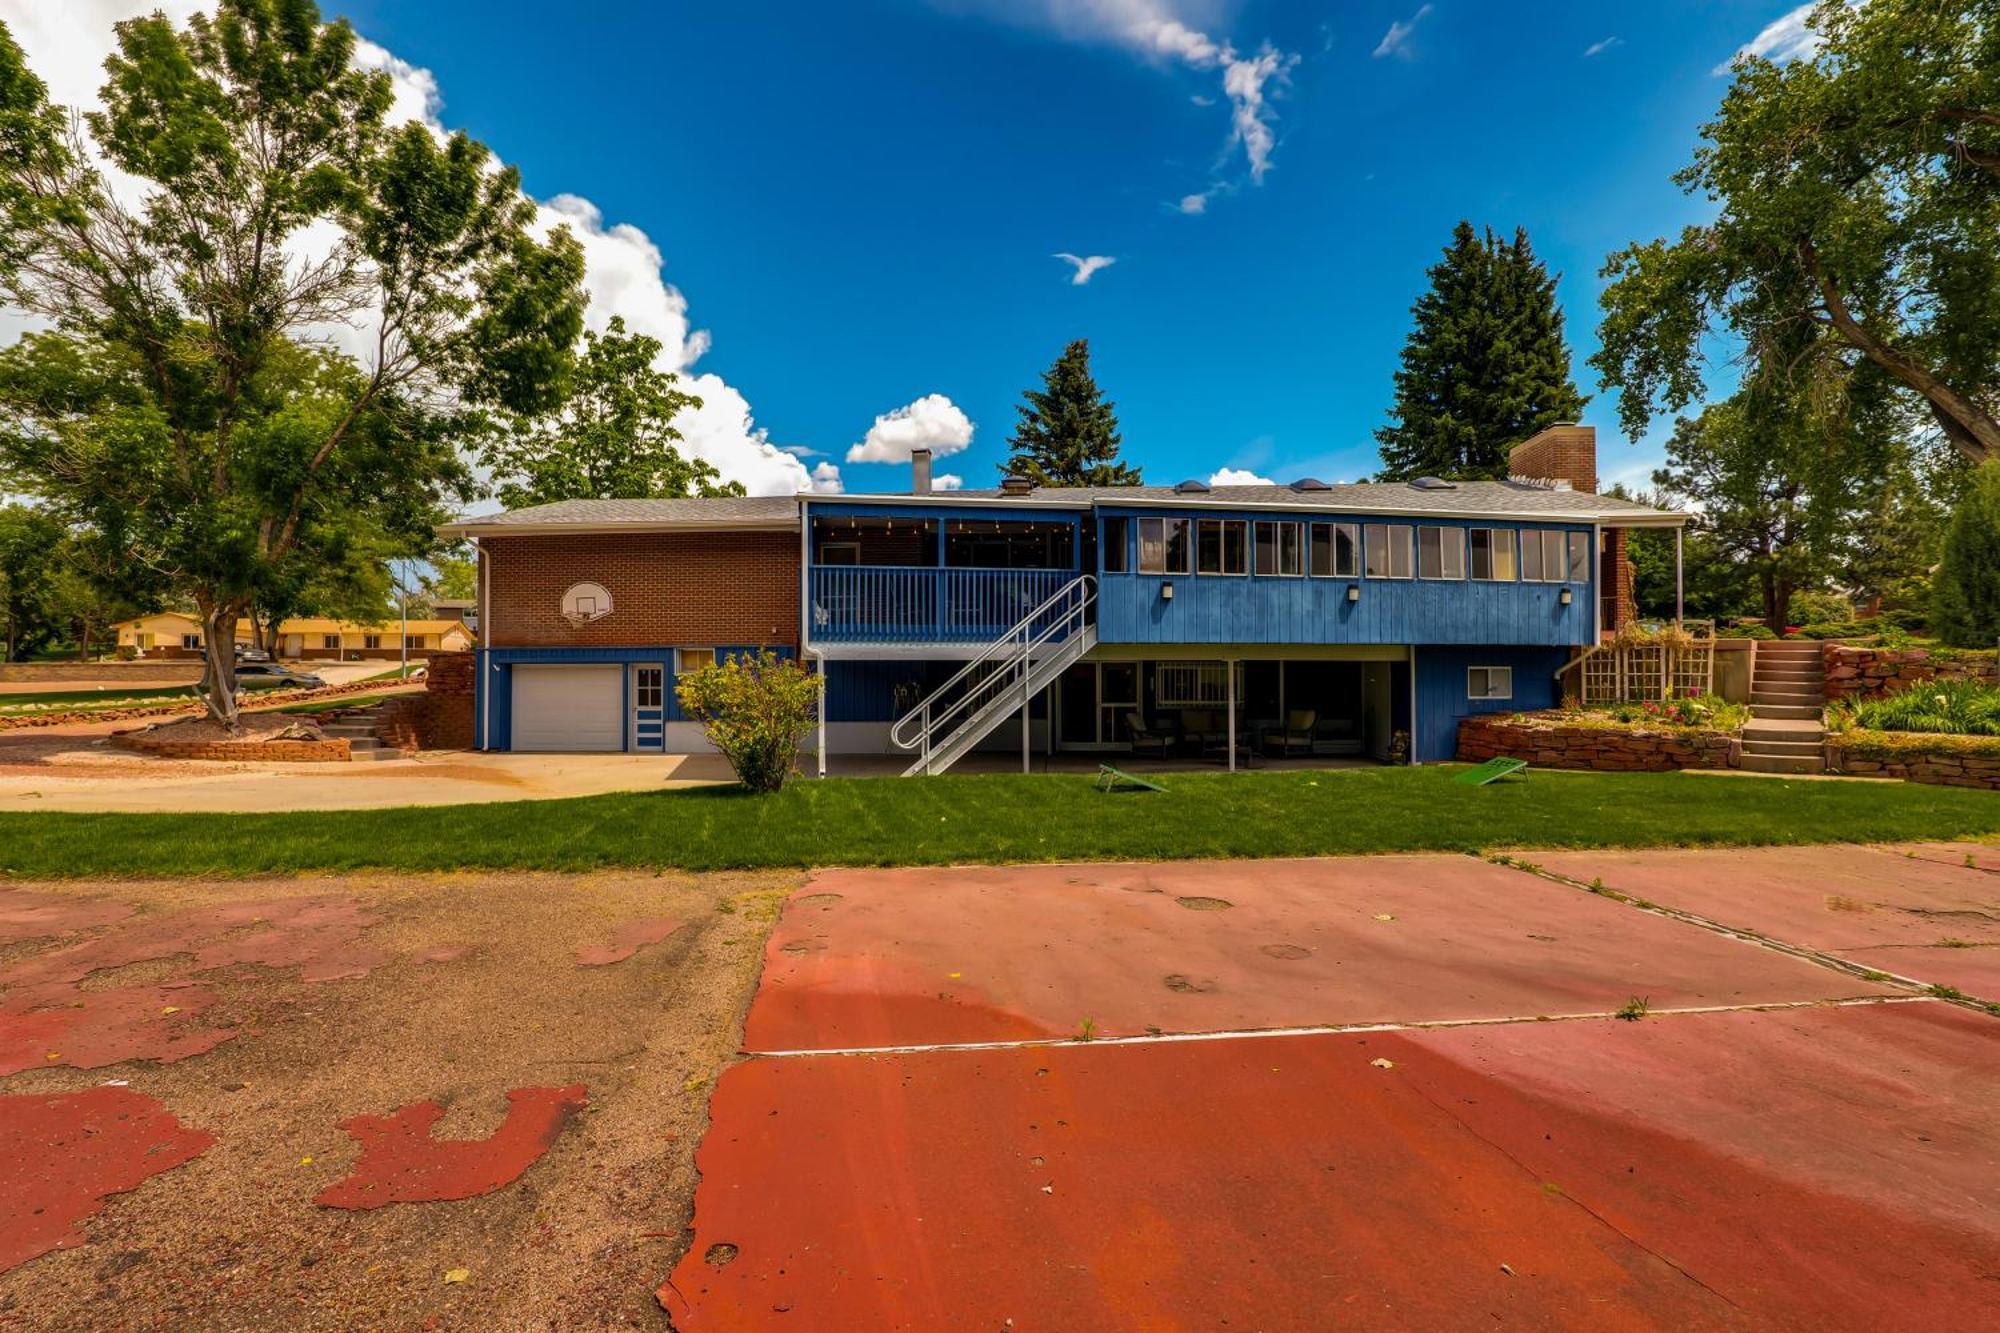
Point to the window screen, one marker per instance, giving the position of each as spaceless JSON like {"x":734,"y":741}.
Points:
{"x":1221,"y":546}
{"x":1440,"y":553}
{"x":1489,"y":683}
{"x":1336,"y":550}
{"x":1117,"y":537}
{"x":1388,"y":550}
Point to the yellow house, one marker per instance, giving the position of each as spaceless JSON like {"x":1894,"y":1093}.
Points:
{"x":175,"y":634}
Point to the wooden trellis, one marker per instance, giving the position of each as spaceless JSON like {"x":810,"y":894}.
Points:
{"x":1648,"y":663}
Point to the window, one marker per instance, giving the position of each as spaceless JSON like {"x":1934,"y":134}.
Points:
{"x":1579,"y":557}
{"x":371,"y":641}
{"x":1222,"y":546}
{"x":1544,"y":556}
{"x":1493,"y":554}
{"x":649,"y":686}
{"x":1336,"y":550}
{"x":420,"y":641}
{"x":191,"y":641}
{"x":1163,"y":546}
{"x":840,"y":553}
{"x":693,"y":659}
{"x":1115,"y":554}
{"x":330,"y":641}
{"x":1489,"y":683}
{"x":1388,"y":550}
{"x":1441,"y":553}
{"x":1279,"y":550}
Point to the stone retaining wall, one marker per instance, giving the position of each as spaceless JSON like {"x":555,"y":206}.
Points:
{"x":1870,"y":673}
{"x":1949,"y":761}
{"x":189,"y":707}
{"x":105,"y":673}
{"x":445,"y":722}
{"x":1543,"y":739}
{"x":333,"y":750}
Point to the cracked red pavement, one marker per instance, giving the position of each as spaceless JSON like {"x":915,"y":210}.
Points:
{"x":401,"y":1163}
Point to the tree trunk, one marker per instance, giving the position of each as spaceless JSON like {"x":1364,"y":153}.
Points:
{"x":218,"y":646}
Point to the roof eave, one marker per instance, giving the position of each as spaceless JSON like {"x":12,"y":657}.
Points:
{"x":556,"y":529}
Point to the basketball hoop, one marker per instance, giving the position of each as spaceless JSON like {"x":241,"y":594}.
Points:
{"x":585,"y":602}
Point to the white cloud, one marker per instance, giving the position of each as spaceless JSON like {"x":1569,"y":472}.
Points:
{"x":947,"y":481}
{"x":67,"y":42}
{"x":1396,"y":41}
{"x":1238,"y":476}
{"x":1164,"y":30}
{"x":1193,"y":204}
{"x":1085,"y":265}
{"x":1782,"y":39}
{"x":933,"y":422}
{"x":1599,"y":48}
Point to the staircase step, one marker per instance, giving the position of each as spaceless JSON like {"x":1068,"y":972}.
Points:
{"x":1765,"y":763}
{"x":1813,"y":698}
{"x":372,"y":756}
{"x":1798,"y":712}
{"x":1759,"y":745}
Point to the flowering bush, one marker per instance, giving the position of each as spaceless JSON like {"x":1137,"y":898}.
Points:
{"x":757,"y":709}
{"x":1708,"y":711}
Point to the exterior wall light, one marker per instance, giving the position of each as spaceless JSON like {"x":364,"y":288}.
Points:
{"x":1566,"y":597}
{"x":1353,"y":592}
{"x":1166,"y":592}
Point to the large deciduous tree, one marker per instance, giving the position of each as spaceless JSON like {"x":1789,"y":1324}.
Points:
{"x":612,"y":437}
{"x":177,"y":413}
{"x":1965,"y":598}
{"x":1778,"y":486}
{"x":1857,"y":224}
{"x":1067,"y":434}
{"x":1485,"y":365}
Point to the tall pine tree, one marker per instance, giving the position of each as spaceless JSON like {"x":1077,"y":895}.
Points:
{"x":1485,"y":365}
{"x":1068,"y":433}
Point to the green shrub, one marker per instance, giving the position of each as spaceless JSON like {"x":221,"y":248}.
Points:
{"x":1747,"y":632}
{"x":757,"y":709}
{"x":1965,"y":595}
{"x":1952,"y":707}
{"x":1707,"y":712}
{"x":1820,"y":608}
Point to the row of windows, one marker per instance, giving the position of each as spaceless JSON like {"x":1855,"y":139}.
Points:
{"x":1285,"y":547}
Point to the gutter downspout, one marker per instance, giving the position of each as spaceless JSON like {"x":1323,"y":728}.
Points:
{"x":806,"y":649}
{"x":484,"y":686}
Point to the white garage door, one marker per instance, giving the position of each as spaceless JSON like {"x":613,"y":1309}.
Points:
{"x":569,"y":708}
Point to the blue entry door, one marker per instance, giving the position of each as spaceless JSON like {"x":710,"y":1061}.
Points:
{"x":649,"y":707}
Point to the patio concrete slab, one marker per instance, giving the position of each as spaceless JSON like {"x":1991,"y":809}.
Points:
{"x":1825,"y":1167}
{"x":874,"y":958}
{"x":1919,"y":912}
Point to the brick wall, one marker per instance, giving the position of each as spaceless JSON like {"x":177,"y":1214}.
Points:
{"x":1561,"y":453}
{"x":1624,"y":601}
{"x":152,"y":671}
{"x":1547,"y":742}
{"x":444,"y":720}
{"x":332,"y":750}
{"x":691,"y":588}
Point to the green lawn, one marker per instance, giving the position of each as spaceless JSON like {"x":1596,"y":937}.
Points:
{"x":329,"y":705}
{"x":71,"y":698}
{"x":888,"y":821}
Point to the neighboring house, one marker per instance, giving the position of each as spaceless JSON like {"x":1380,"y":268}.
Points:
{"x":174,"y":634}
{"x":1310,"y":618}
{"x":462,"y":609}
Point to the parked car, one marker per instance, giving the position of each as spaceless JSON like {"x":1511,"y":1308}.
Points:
{"x":271,"y":676}
{"x":245,"y":653}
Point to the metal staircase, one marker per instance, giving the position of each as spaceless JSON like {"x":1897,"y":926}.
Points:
{"x":1004,"y":677}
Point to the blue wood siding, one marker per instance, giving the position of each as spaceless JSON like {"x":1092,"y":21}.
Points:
{"x":493,"y":698}
{"x":1254,"y":608}
{"x":1442,"y":698}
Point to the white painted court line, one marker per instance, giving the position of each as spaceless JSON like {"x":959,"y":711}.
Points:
{"x":1328,"y":1029}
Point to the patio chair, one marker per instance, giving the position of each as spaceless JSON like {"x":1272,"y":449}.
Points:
{"x":1147,"y":739}
{"x":1203,"y":727}
{"x":1336,"y":735}
{"x":1296,"y":736}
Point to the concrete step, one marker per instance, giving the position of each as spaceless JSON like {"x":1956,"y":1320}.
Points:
{"x":1807,"y":748}
{"x":1790,"y":669}
{"x":1794,"y":712}
{"x":349,"y":729}
{"x":1814,"y":698}
{"x":1765,"y":763}
{"x":374,"y":756}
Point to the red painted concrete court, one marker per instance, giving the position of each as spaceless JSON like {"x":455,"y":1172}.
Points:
{"x":1832,"y":1162}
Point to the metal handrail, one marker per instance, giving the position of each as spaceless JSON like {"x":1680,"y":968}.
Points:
{"x":1017,"y":644}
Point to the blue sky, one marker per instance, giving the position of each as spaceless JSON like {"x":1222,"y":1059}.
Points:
{"x":859,"y":201}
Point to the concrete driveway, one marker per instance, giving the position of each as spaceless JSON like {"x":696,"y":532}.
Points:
{"x":1385,"y":1092}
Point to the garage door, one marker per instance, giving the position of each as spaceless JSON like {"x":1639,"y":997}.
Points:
{"x":569,"y":708}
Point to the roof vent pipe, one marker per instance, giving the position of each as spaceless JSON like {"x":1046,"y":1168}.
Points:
{"x":920,"y":472}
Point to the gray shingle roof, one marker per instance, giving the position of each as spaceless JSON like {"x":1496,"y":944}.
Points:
{"x":1481,"y":498}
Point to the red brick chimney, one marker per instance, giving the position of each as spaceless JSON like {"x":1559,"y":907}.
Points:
{"x":1563,"y":452}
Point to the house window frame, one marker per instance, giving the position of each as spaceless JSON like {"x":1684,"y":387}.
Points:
{"x":1116,"y":538}
{"x":1389,"y":550}
{"x":1278,"y":526}
{"x":329,"y":643}
{"x":1333,"y":531}
{"x":371,"y":642}
{"x":1494,"y":675}
{"x":1222,"y":526}
{"x":682,"y":658}
{"x":1448,"y":537}
{"x":658,"y":687}
{"x":1578,"y":568}
{"x":1494,"y":545}
{"x":1165,"y":525}
{"x":191,"y":643}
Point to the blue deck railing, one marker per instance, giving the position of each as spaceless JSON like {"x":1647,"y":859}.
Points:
{"x":921,"y":604}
